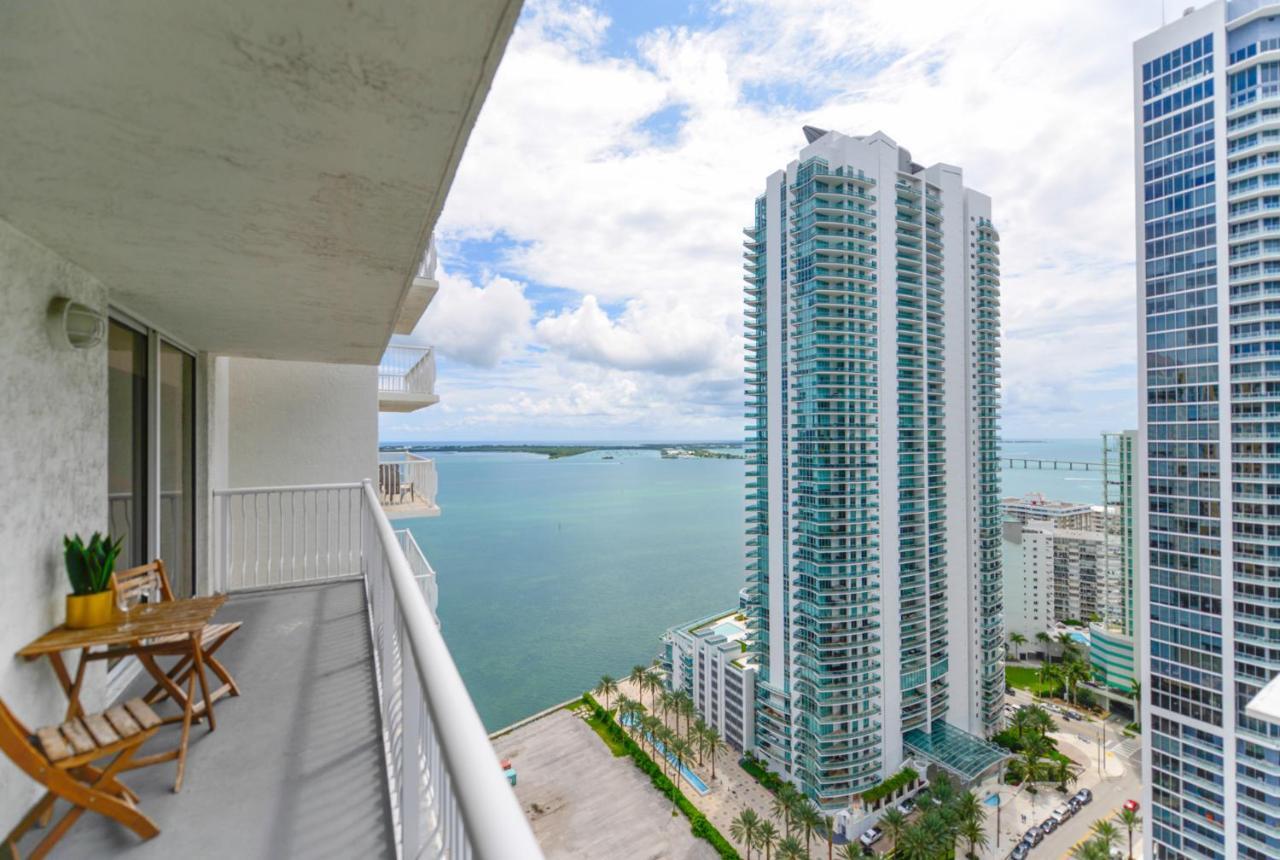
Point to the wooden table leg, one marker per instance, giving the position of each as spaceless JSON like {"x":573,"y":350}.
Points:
{"x":197,"y":654}
{"x":186,"y":733}
{"x":71,"y":688}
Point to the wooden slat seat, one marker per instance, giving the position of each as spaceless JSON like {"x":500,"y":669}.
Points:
{"x":84,"y":735}
{"x":61,"y":759}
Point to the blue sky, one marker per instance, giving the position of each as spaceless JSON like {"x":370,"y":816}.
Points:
{"x":590,"y":248}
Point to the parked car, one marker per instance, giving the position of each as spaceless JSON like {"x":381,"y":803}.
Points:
{"x":1076,"y":804}
{"x":1085,"y":795}
{"x":1049,"y":825}
{"x":907,"y":806}
{"x":871,"y":836}
{"x":1021,"y":850}
{"x":1034,"y":836}
{"x":1131,"y":805}
{"x":1063,"y":812}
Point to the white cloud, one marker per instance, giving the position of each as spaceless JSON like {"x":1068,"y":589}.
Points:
{"x":1033,"y":100}
{"x":658,"y":337}
{"x":476,"y":325}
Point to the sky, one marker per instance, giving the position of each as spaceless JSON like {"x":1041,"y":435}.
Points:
{"x":591,"y":245}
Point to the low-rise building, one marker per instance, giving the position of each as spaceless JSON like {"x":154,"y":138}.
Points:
{"x":1034,"y":507}
{"x":708,"y":659}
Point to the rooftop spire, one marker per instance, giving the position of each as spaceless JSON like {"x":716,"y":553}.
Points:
{"x":812,"y":133}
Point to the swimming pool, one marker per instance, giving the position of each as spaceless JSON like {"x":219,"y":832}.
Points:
{"x":1080,"y":637}
{"x":992,"y":800}
{"x":689,"y":776}
{"x":727,"y":628}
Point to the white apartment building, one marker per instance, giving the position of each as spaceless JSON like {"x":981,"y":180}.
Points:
{"x":708,"y":659}
{"x":1035,"y":507}
{"x":212,"y":225}
{"x":1207,"y":160}
{"x":873,"y":520}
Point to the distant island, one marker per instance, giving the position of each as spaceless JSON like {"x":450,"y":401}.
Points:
{"x":555,"y":452}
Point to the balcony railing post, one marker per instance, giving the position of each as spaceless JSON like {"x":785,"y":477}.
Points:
{"x":410,"y":732}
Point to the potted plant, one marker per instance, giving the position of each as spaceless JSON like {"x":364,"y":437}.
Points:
{"x":89,"y":569}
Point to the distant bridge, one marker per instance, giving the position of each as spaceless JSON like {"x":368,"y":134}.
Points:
{"x":1049,"y":464}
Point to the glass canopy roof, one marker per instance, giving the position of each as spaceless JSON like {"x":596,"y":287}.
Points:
{"x":962,"y":754}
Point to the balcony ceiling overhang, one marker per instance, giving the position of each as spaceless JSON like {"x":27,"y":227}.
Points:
{"x":257,"y":179}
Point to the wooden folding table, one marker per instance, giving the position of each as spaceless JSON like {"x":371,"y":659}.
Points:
{"x":135,"y":633}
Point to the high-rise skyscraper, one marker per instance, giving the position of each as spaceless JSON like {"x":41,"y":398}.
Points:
{"x":1207,"y":135}
{"x":873,"y":509}
{"x":1112,"y":637}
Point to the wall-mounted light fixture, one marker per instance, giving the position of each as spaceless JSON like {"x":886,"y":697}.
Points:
{"x":73,"y":325}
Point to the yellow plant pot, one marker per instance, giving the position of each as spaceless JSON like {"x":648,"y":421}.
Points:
{"x":90,"y":610}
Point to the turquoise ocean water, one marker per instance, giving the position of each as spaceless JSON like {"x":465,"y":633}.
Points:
{"x":553,"y":572}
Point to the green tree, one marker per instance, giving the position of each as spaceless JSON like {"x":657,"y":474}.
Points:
{"x":1107,"y":832}
{"x":808,"y":819}
{"x":1094,"y":849}
{"x":606,"y":687}
{"x":1135,"y":692}
{"x":1017,"y":640}
{"x":1073,"y":673}
{"x":975,"y":834}
{"x":829,"y":829}
{"x":744,"y":829}
{"x":790,"y":848}
{"x":1064,"y":772}
{"x":1130,"y":821}
{"x":783,"y":802}
{"x":1039,"y":720}
{"x":916,"y":844}
{"x":637,"y":677}
{"x":766,"y":836}
{"x":650,"y":724}
{"x":893,"y":823}
{"x":1051,"y":678}
{"x":715,"y":746}
{"x":850,"y":851}
{"x":1043,"y":639}
{"x":1066,"y":646}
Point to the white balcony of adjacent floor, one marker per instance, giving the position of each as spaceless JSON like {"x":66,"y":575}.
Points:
{"x":407,"y":379}
{"x":407,"y":484}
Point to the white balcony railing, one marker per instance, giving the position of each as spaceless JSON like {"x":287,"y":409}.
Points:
{"x":449,"y":798}
{"x":420,"y":473}
{"x":407,"y":370}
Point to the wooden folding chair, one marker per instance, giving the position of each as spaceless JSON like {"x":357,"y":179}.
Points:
{"x":149,"y":582}
{"x":389,"y":480}
{"x":61,"y":759}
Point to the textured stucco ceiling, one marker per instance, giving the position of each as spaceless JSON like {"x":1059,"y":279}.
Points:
{"x":259,"y":178}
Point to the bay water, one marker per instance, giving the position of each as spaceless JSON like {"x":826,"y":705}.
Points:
{"x":554,"y":572}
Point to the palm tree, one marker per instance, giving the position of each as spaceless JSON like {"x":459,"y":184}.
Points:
{"x":637,"y":677}
{"x":1135,"y":691}
{"x":1030,"y":761}
{"x":1043,"y":639}
{"x":1074,"y":672}
{"x":893,"y":823}
{"x":968,"y":808}
{"x":975,"y":834}
{"x":1130,"y":821}
{"x":607,"y":687}
{"x":850,"y":851}
{"x":687,"y":710}
{"x":665,"y":698}
{"x":1051,"y":676}
{"x":654,"y":676}
{"x":745,"y":827}
{"x":1107,"y":832}
{"x":1064,"y":773}
{"x":1066,"y":643}
{"x":650,"y":723}
{"x":1022,"y":719}
{"x":1039,"y":721}
{"x":808,"y":819}
{"x":782,"y":804}
{"x":1094,"y":849}
{"x":682,"y":750}
{"x":715,"y":746}
{"x":766,"y":836}
{"x":916,"y":844}
{"x":1017,"y":640}
{"x":829,"y":828}
{"x":789,"y":848}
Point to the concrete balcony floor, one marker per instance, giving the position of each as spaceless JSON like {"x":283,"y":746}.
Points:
{"x":295,"y":767}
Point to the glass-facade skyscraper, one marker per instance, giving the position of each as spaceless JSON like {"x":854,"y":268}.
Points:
{"x":874,"y":590}
{"x":1207,"y":135}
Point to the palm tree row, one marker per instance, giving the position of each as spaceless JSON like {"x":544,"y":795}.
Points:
{"x":800,"y":817}
{"x":1105,"y":836}
{"x":1036,"y":760}
{"x":695,"y":740}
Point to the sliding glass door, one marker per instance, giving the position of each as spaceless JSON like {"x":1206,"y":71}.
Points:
{"x":127,"y":440}
{"x":151,"y":385}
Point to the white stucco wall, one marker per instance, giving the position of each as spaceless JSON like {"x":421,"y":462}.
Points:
{"x":294,"y":422}
{"x":53,"y":472}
